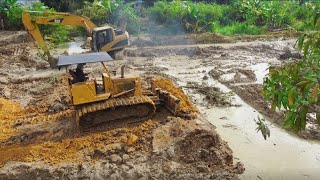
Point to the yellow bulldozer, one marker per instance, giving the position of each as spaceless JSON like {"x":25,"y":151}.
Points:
{"x":103,"y":38}
{"x":111,"y":96}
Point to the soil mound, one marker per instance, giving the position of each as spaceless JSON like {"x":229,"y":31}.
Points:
{"x":186,"y":108}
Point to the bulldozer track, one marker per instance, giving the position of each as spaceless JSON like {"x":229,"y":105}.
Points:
{"x":52,"y":117}
{"x":115,"y":109}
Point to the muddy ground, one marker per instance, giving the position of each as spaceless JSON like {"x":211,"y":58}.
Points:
{"x":239,"y":66}
{"x":217,"y":79}
{"x":39,"y":138}
{"x":225,"y":82}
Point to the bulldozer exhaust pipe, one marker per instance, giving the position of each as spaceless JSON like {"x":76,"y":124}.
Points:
{"x":122,"y":71}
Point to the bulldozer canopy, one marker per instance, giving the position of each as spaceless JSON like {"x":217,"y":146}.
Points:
{"x":84,"y":58}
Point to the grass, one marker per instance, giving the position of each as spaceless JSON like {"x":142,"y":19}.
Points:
{"x":236,"y":28}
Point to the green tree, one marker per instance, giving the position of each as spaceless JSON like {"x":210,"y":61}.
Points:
{"x":294,"y":86}
{"x":65,"y":5}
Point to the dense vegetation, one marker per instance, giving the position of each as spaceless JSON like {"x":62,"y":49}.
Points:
{"x":225,"y":17}
{"x":237,"y":17}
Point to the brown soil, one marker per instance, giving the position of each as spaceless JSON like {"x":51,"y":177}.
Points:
{"x":13,"y":37}
{"x":39,"y":138}
{"x":251,"y":94}
{"x":212,"y":95}
{"x":207,"y":38}
{"x":9,"y":112}
{"x":186,"y":107}
{"x":69,"y":149}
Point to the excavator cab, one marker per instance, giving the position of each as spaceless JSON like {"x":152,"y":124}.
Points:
{"x":108,"y":39}
{"x":102,"y":38}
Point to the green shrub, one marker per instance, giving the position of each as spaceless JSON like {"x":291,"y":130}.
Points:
{"x":13,"y":18}
{"x":274,"y":14}
{"x":11,"y":11}
{"x":113,"y":12}
{"x":98,"y":13}
{"x":56,"y":34}
{"x":236,"y":28}
{"x":194,"y":17}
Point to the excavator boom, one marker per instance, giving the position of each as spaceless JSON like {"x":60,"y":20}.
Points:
{"x":58,"y":18}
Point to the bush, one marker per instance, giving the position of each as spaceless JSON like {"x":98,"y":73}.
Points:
{"x":273,"y":14}
{"x":56,"y":34}
{"x":194,"y":17}
{"x":13,"y":18}
{"x":113,"y":12}
{"x":98,"y":13}
{"x":11,"y":11}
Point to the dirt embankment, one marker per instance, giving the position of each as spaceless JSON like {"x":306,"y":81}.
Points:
{"x":39,"y":139}
{"x":10,"y":37}
{"x":207,"y":38}
{"x":179,"y":150}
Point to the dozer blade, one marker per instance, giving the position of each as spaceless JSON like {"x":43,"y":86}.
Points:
{"x":168,"y":100}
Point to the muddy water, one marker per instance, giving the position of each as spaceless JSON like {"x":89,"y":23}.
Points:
{"x":261,"y":70}
{"x":282,"y":156}
{"x":73,"y":47}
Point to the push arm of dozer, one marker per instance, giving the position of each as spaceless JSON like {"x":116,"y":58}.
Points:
{"x":31,"y":22}
{"x":171,"y":102}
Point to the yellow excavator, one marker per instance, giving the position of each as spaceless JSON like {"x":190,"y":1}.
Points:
{"x":103,"y":38}
{"x":111,"y":96}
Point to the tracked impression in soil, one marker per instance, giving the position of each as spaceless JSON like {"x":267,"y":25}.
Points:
{"x":246,"y":81}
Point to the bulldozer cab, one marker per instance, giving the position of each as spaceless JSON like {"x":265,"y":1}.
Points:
{"x":84,"y":89}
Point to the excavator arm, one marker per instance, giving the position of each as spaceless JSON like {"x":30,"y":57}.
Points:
{"x":31,"y":22}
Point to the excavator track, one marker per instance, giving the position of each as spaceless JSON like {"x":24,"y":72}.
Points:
{"x":115,"y":109}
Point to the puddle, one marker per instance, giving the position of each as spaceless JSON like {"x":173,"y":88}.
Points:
{"x":261,"y":70}
{"x":227,"y":77}
{"x":73,"y":47}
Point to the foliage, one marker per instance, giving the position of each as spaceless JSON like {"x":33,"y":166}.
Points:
{"x":12,"y":14}
{"x":262,"y":127}
{"x":65,"y":5}
{"x":55,"y":33}
{"x":96,"y":11}
{"x":294,"y":86}
{"x":193,"y":17}
{"x":261,"y":13}
{"x":234,"y":16}
{"x":236,"y":28}
{"x":113,"y":12}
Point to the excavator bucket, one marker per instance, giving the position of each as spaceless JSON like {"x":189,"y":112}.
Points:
{"x":166,"y":98}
